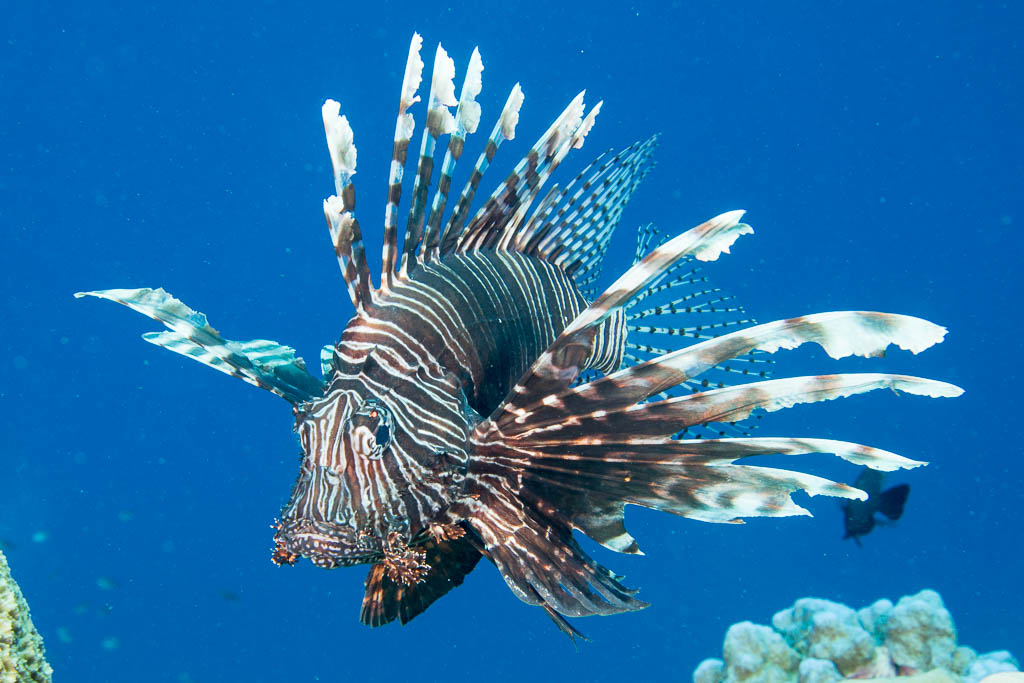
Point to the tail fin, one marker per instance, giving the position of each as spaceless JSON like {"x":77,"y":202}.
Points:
{"x":891,"y":501}
{"x":556,"y":457}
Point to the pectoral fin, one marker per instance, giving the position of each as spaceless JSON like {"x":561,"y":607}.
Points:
{"x":385,"y":600}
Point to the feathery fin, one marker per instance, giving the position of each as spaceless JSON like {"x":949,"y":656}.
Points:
{"x":839,"y":333}
{"x":601,"y":445}
{"x":558,"y":366}
{"x":660,"y":419}
{"x":385,"y":600}
{"x":259,"y":362}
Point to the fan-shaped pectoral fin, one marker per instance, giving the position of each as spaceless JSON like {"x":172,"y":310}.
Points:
{"x":450,"y":561}
{"x":534,"y":551}
{"x":260,"y":362}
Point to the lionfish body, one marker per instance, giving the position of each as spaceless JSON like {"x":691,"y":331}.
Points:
{"x":478,"y":404}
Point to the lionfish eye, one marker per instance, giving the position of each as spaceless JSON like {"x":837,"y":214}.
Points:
{"x":383,"y":435}
{"x":376,"y":419}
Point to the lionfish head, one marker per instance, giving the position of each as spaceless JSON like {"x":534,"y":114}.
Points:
{"x":384,"y":453}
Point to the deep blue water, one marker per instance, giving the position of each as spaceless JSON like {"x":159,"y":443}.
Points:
{"x":876,"y":146}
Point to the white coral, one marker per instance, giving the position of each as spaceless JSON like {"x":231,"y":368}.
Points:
{"x":826,"y":630}
{"x":818,"y":641}
{"x":21,"y":648}
{"x":919,"y":632}
{"x":758,"y":654}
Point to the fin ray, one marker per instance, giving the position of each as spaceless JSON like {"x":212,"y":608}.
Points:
{"x":404,"y":126}
{"x":559,"y":365}
{"x":467,"y":117}
{"x":839,"y":333}
{"x":384,"y":601}
{"x":504,"y":129}
{"x":439,"y":121}
{"x":730,"y":404}
{"x":262,"y":363}
{"x":540,"y":561}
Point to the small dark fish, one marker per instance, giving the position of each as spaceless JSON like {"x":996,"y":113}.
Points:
{"x":859,"y":515}
{"x":485,"y":402}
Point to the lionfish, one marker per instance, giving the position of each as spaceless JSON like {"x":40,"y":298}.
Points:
{"x":483,"y":402}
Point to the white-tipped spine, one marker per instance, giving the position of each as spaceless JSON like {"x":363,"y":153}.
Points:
{"x":413,"y":74}
{"x":340,"y":144}
{"x":410,"y":84}
{"x":404,"y":126}
{"x":854,"y":333}
{"x":334,"y":209}
{"x":442,"y":94}
{"x":588,"y":123}
{"x":469,"y":108}
{"x":510,"y":113}
{"x":571,"y":119}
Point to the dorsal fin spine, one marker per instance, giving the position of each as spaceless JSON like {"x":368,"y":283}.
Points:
{"x":481,"y":231}
{"x":339,"y":209}
{"x":504,"y":129}
{"x":467,"y":118}
{"x":439,"y":122}
{"x":571,"y":228}
{"x":538,"y":225}
{"x":610,"y":202}
{"x":564,"y":216}
{"x":404,"y":126}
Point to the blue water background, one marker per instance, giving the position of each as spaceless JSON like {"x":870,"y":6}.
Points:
{"x":876,"y":145}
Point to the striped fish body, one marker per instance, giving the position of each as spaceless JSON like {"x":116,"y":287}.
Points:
{"x":484,"y":316}
{"x":412,"y":376}
{"x":478,"y":405}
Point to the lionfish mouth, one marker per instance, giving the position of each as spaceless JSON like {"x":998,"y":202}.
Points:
{"x":326,"y":545}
